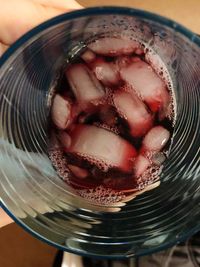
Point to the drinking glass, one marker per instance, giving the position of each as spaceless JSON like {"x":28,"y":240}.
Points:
{"x":31,"y":191}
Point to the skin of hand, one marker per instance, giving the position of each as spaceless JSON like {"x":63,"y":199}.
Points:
{"x":4,"y":218}
{"x":19,"y":16}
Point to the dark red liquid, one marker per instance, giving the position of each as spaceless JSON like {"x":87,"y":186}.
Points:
{"x":111,"y":121}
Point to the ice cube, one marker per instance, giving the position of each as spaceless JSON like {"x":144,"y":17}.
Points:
{"x":61,"y":112}
{"x":155,"y":139}
{"x":102,"y":145}
{"x":88,"y":56}
{"x":65,"y":139}
{"x":141,"y":164}
{"x":84,"y":84}
{"x":111,"y":46}
{"x":106,"y":72}
{"x":147,"y":84}
{"x":134,"y":111}
{"x":77,"y":171}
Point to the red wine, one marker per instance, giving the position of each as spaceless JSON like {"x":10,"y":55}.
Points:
{"x":112,"y":119}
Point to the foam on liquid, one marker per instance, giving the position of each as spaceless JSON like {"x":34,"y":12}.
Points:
{"x":101,"y":194}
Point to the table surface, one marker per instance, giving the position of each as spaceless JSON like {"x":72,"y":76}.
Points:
{"x":185,"y":12}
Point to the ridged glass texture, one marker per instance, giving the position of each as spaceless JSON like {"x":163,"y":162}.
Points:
{"x":30,"y":190}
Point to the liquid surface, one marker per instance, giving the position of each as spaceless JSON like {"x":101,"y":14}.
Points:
{"x":112,"y":120}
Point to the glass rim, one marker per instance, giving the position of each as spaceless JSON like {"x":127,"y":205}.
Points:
{"x":100,"y":10}
{"x":105,"y":10}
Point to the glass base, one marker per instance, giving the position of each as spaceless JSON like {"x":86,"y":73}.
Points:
{"x":185,"y":254}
